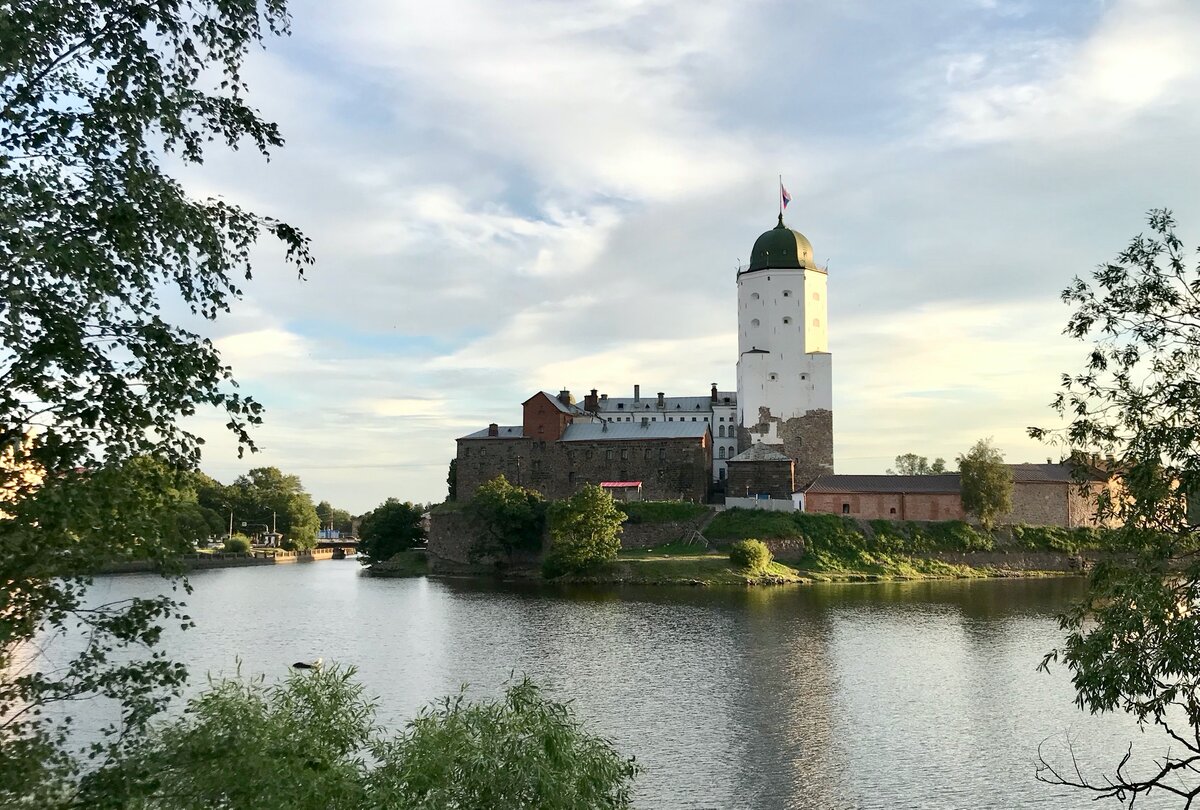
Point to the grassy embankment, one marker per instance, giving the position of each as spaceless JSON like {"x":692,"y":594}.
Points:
{"x":839,"y":549}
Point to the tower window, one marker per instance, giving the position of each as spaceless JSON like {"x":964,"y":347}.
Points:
{"x":772,"y":376}
{"x":755,"y":322}
{"x":816,"y":296}
{"x":786,"y":321}
{"x":787,"y":293}
{"x":754,"y":296}
{"x":721,"y":433}
{"x":816,"y":321}
{"x":804,"y":376}
{"x":721,"y":453}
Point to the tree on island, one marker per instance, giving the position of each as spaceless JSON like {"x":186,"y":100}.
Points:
{"x":1131,"y":642}
{"x":506,"y":519}
{"x":585,"y":531}
{"x":986,"y":483}
{"x":95,"y":101}
{"x":388,"y":529}
{"x":912,"y":464}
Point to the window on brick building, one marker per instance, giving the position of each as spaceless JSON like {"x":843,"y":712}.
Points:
{"x":721,"y":473}
{"x":892,"y":511}
{"x":608,"y":455}
{"x":662,"y":454}
{"x":466,"y":452}
{"x":624,"y":456}
{"x":845,"y":509}
{"x":537,"y":466}
{"x":649,"y":454}
{"x":571,"y":478}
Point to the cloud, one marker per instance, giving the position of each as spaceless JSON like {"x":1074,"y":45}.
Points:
{"x":532,"y":195}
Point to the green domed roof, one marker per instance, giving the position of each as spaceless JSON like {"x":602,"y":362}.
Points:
{"x":781,"y":248}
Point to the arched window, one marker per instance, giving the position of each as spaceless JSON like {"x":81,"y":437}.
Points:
{"x":754,"y":296}
{"x":721,"y":432}
{"x":787,"y":293}
{"x":754,"y":322}
{"x":721,"y":453}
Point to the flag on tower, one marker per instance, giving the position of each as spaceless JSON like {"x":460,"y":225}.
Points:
{"x":784,"y":196}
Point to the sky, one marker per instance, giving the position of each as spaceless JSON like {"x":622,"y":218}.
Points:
{"x":506,"y":197}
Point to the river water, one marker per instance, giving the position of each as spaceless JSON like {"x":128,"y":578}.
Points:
{"x":906,"y":695}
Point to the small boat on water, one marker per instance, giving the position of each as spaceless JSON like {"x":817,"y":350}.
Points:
{"x":307,"y":664}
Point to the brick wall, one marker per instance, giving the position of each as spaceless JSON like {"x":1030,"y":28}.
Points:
{"x":888,"y":505}
{"x":542,"y":420}
{"x":669,"y":469}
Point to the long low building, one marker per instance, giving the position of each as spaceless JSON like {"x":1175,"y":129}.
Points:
{"x":1043,"y":495}
{"x":559,"y":447}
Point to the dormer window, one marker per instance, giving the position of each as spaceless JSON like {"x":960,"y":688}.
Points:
{"x":620,"y":406}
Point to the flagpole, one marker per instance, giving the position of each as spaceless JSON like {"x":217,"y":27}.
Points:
{"x":781,"y":198}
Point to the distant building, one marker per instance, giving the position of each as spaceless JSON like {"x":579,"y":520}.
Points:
{"x":717,"y":409}
{"x":1043,"y":495}
{"x":559,"y":447}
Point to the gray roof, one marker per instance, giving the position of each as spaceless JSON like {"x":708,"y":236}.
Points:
{"x":629,"y":431}
{"x":649,"y":404}
{"x":1047,"y":473}
{"x":760,"y":452}
{"x":505,"y":432}
{"x":885,"y":483}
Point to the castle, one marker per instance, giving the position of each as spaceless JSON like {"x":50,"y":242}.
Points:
{"x":772,"y":436}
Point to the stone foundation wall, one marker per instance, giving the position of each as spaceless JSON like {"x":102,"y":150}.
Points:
{"x":669,"y":469}
{"x":807,"y":440}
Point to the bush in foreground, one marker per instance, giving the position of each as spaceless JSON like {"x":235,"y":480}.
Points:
{"x":752,"y":554}
{"x":312,"y":742}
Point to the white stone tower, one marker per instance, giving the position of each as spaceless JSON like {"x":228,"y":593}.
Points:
{"x":785,"y":370}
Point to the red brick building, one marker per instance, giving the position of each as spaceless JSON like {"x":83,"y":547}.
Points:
{"x":1043,"y":495}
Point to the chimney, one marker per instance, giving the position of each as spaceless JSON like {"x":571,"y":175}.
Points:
{"x":604,"y":397}
{"x":564,"y":396}
{"x":591,"y":402}
{"x":493,"y":429}
{"x":637,"y":394}
{"x":714,"y":392}
{"x":662,"y":403}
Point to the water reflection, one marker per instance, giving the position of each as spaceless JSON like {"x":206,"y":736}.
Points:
{"x":831,"y":696}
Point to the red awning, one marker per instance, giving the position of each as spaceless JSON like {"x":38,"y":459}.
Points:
{"x":620,"y":484}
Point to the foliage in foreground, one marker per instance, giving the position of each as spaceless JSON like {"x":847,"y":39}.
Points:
{"x":99,"y":247}
{"x":585,"y":531}
{"x":751,"y":554}
{"x":312,"y":743}
{"x":1131,"y":643}
{"x":388,"y":529}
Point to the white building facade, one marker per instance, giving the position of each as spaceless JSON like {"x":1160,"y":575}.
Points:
{"x":785,"y":370}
